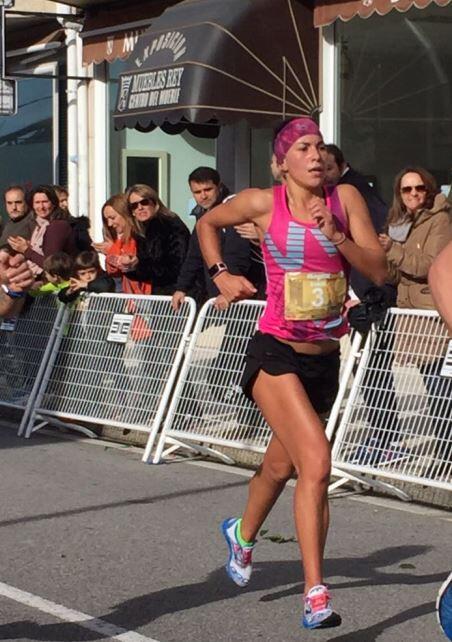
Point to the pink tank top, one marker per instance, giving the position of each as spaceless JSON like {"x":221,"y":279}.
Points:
{"x":307,"y":277}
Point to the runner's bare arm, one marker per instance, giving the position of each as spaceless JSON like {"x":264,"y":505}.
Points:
{"x":251,"y":205}
{"x":365,"y":252}
{"x":440,"y":282}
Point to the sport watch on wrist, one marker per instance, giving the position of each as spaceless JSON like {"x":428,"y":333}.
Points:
{"x":216,"y":269}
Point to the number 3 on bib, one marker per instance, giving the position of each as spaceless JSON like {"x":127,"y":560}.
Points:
{"x":310,"y":296}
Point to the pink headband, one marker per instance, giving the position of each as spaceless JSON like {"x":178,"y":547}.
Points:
{"x":291,"y":132}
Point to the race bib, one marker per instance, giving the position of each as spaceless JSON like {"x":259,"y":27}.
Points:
{"x":310,"y":296}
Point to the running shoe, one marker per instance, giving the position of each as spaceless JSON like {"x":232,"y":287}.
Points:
{"x":444,"y":607}
{"x":238,"y":566}
{"x":367,"y":453}
{"x":318,"y":613}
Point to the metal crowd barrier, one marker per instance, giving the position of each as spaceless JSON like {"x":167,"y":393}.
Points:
{"x":25,"y":343}
{"x":114,"y":362}
{"x":398,"y":417}
{"x":208,"y":407}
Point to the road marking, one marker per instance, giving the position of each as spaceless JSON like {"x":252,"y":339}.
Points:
{"x":69,"y":615}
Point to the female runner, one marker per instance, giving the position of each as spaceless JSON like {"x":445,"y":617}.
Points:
{"x":311,"y":235}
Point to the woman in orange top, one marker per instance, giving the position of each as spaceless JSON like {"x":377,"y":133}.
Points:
{"x":120,"y":246}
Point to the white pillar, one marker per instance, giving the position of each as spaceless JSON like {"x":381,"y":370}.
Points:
{"x":329,"y":115}
{"x":98,"y":140}
{"x":82,"y":129}
{"x":72,"y":119}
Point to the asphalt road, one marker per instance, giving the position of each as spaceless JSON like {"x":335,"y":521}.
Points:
{"x":96,"y":545}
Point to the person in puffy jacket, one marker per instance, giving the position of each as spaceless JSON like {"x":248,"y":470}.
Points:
{"x":161,"y":237}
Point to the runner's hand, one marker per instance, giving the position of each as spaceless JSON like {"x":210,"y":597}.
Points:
{"x":323,"y":217}
{"x":234,"y":288}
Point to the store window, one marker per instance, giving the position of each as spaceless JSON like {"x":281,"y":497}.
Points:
{"x":26,"y":139}
{"x":395,"y":79}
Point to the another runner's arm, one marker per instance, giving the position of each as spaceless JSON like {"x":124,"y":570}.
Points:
{"x":363,"y":252}
{"x":440,"y":282}
{"x":251,"y":205}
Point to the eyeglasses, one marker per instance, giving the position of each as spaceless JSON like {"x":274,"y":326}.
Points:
{"x":144,"y":202}
{"x":417,"y":188}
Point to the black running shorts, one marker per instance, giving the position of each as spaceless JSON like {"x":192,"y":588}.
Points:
{"x":319,"y":374}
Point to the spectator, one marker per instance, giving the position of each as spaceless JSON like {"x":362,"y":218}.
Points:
{"x":162,"y":240}
{"x":57,"y":270}
{"x":80,"y":224}
{"x":51,"y":234}
{"x":374,"y":302}
{"x":208,"y":191}
{"x":88,"y":277}
{"x":16,"y":279}
{"x":120,"y":247}
{"x":21,"y":221}
{"x":419,"y":227}
{"x":339,"y":172}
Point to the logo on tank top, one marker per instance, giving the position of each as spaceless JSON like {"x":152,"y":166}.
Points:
{"x":295,"y":250}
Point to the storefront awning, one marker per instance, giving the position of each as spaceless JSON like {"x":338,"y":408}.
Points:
{"x":205,"y":62}
{"x":327,"y":11}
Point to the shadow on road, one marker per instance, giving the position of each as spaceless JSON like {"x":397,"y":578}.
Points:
{"x":140,"y":611}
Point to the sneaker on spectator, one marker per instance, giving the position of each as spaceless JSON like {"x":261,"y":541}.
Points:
{"x":318,"y":613}
{"x":393,"y":455}
{"x":367,"y":453}
{"x":239,"y":564}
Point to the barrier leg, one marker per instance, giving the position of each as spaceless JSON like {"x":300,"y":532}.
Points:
{"x":374,"y":484}
{"x":196,"y":448}
{"x":63,"y":424}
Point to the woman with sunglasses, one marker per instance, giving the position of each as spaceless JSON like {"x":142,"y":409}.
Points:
{"x":418,"y":228}
{"x":161,"y":237}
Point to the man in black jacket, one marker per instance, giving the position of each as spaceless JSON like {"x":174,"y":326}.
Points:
{"x":208,"y":191}
{"x":339,"y":172}
{"x":378,"y":384}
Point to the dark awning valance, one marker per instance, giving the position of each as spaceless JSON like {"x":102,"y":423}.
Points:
{"x":327,"y":11}
{"x":207,"y":61}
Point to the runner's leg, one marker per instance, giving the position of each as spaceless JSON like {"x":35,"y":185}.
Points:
{"x":287,"y":409}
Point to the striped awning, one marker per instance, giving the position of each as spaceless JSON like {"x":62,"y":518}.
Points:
{"x":327,"y":11}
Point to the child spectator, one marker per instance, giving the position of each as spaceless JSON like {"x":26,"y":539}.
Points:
{"x":57,"y":270}
{"x":89,"y":277}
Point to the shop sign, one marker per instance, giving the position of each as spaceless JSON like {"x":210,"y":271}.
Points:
{"x":8,"y":97}
{"x":160,"y":87}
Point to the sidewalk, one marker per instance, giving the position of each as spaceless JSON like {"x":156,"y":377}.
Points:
{"x":90,"y":527}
